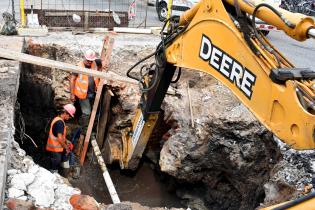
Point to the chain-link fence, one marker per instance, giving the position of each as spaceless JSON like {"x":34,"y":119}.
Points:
{"x":91,"y":13}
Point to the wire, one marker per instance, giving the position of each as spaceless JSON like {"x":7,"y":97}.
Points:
{"x":178,"y":75}
{"x":136,"y":64}
{"x":160,"y":51}
{"x":26,"y":135}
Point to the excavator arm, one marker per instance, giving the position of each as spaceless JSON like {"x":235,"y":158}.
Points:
{"x":219,"y":37}
{"x":220,"y":44}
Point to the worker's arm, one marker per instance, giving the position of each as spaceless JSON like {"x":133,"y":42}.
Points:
{"x":62,"y":140}
{"x":72,"y":84}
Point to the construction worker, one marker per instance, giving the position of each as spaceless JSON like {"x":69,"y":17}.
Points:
{"x":57,"y":142}
{"x":83,"y":87}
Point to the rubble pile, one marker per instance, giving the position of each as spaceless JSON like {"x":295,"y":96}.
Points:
{"x":30,"y":186}
{"x":29,"y":182}
{"x":228,"y":150}
{"x":291,"y":176}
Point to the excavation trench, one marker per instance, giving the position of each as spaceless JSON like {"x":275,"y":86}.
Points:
{"x":222,"y":163}
{"x":42,"y":92}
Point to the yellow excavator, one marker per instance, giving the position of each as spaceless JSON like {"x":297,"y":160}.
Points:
{"x":219,"y":37}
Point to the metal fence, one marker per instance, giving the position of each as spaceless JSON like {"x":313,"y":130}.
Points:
{"x":93,"y":13}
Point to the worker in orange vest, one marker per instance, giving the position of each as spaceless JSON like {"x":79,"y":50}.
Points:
{"x":83,"y":87}
{"x":57,"y":142}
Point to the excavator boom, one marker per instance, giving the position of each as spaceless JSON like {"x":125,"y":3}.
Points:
{"x":250,"y":66}
{"x":219,"y":37}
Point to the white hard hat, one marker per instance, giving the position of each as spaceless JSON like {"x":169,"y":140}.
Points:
{"x":90,"y":55}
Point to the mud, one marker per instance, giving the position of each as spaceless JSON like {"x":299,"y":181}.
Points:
{"x":144,"y":186}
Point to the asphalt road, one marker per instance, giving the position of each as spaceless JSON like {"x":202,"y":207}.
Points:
{"x":301,"y":54}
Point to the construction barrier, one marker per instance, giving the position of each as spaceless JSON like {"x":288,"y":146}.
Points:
{"x":90,"y":13}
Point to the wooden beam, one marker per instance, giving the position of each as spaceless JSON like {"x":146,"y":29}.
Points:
{"x":105,"y":111}
{"x":101,"y":128}
{"x":91,"y":122}
{"x":96,"y":102}
{"x":190,"y":107}
{"x":25,"y":58}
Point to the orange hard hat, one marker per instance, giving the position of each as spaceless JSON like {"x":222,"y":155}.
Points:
{"x":90,"y":55}
{"x":70,"y":109}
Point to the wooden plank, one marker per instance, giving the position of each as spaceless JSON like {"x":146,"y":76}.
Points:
{"x":190,"y":107}
{"x":95,"y":105}
{"x":25,"y":58}
{"x":91,"y":122}
{"x":101,"y":128}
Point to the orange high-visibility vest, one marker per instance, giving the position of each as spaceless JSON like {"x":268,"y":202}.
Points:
{"x":53,"y":145}
{"x":82,"y":82}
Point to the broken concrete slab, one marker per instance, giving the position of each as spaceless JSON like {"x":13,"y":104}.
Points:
{"x":15,"y":193}
{"x":43,"y":188}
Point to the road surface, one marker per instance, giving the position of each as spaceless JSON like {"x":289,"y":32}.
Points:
{"x":301,"y":54}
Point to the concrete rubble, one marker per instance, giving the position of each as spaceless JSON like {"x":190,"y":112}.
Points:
{"x":228,"y":151}
{"x":227,"y":161}
{"x":30,"y":185}
{"x":30,"y":182}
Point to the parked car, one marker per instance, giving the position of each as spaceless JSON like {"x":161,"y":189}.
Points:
{"x":179,"y":6}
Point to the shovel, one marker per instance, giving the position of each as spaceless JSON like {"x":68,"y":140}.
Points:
{"x":32,"y":19}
